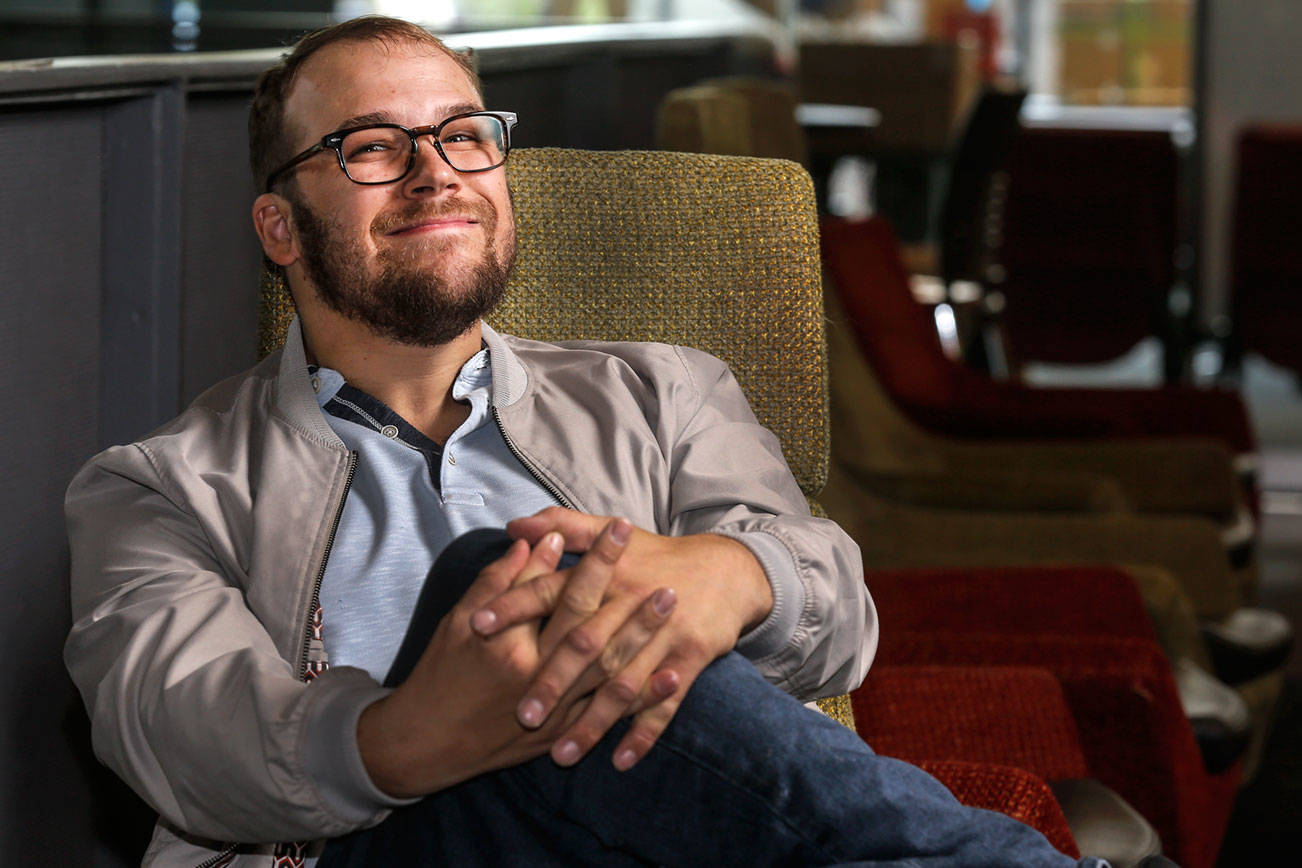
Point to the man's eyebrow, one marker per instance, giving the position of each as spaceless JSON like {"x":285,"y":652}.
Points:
{"x":461,"y":108}
{"x":383,"y":117}
{"x":368,"y":118}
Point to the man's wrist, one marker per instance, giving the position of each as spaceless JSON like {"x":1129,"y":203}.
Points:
{"x":384,"y":746}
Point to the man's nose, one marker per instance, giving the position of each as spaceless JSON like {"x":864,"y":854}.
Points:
{"x":430,"y":172}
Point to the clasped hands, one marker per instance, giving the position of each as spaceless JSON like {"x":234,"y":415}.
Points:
{"x":535,"y":659}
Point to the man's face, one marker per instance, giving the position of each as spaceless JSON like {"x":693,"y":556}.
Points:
{"x":418,"y":260}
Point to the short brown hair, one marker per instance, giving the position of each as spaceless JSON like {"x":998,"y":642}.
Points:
{"x":269,"y":141}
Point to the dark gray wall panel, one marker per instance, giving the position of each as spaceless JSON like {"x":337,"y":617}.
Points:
{"x":49,"y":356}
{"x":140,"y":266}
{"x":219,"y":313}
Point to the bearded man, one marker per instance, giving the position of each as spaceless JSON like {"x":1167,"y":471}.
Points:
{"x":332,"y":602}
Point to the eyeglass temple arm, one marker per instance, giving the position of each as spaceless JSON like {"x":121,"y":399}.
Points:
{"x":312,"y":151}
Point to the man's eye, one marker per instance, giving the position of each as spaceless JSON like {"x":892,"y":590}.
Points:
{"x":368,"y":150}
{"x":460,"y":137}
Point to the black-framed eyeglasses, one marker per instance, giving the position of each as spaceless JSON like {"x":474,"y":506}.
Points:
{"x":384,"y":153}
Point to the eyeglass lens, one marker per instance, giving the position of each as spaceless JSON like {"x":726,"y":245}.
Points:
{"x":382,"y":154}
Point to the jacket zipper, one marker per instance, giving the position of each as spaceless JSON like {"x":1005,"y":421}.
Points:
{"x":222,"y":858}
{"x":225,"y":856}
{"x":533,"y":471}
{"x":320,"y":574}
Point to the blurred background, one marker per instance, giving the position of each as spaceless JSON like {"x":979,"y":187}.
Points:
{"x":129,"y":270}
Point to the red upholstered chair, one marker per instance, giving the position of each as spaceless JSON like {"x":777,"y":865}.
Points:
{"x":957,"y":404}
{"x":932,"y":715}
{"x":1013,"y":716}
{"x":1087,"y":241}
{"x":1133,"y":734}
{"x":1266,"y":266}
{"x":1012,"y":791}
{"x":1062,"y":601}
{"x":1087,"y":627}
{"x":863,"y":262}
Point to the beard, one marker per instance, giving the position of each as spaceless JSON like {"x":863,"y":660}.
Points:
{"x":406,"y":300}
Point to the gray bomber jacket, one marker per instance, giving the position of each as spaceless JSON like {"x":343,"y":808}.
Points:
{"x":197,"y":551}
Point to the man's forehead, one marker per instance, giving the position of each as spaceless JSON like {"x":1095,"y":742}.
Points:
{"x":354,"y":79}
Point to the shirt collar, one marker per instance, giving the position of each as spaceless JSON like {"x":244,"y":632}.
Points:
{"x":475,"y":375}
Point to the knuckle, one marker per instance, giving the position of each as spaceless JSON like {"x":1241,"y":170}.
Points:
{"x":546,"y":690}
{"x":586,"y":734}
{"x":583,"y":640}
{"x":694,"y":647}
{"x":577,"y":606}
{"x":642,"y":736}
{"x":657,"y":717}
{"x":621,"y":691}
{"x":518,"y":662}
{"x":544,"y":593}
{"x":607,"y":551}
{"x":611,"y":659}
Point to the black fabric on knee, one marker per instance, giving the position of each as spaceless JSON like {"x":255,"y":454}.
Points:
{"x":454,"y":570}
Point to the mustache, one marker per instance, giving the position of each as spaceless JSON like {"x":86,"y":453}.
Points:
{"x":419,"y":212}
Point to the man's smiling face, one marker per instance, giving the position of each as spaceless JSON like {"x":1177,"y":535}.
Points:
{"x":418,"y":260}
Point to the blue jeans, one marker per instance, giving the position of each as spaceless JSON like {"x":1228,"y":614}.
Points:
{"x":744,"y":775}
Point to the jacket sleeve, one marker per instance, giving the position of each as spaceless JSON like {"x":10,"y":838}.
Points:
{"x":190,"y":701}
{"x":729,"y":477}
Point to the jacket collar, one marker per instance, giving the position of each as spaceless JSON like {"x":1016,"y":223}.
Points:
{"x":295,"y":398}
{"x":294,"y":395}
{"x":510,"y":377}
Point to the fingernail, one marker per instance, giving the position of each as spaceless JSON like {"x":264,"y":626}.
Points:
{"x":483,"y":621}
{"x":530,"y":712}
{"x":567,"y":753}
{"x":554,"y":541}
{"x":663,"y":601}
{"x":624,"y":759}
{"x":621,"y":531}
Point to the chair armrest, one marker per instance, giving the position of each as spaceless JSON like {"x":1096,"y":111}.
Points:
{"x":999,"y":489}
{"x":1009,"y":715}
{"x":1176,"y":475}
{"x":891,"y":535}
{"x":1014,"y":792}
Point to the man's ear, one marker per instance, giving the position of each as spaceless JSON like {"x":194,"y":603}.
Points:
{"x":271,"y":222}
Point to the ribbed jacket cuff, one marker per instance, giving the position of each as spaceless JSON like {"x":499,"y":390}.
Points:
{"x":773,"y":633}
{"x":330,"y":754}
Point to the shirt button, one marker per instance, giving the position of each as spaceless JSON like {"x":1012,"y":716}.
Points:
{"x":452,"y":459}
{"x":316,"y":384}
{"x":390,"y":431}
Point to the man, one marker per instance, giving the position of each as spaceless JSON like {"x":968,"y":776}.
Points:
{"x":290,"y":517}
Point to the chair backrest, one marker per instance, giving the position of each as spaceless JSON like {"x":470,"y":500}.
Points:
{"x":1089,"y":239}
{"x":717,"y":253}
{"x":973,"y":190}
{"x":921,"y":89}
{"x":894,"y":332}
{"x":739,"y":115}
{"x":1266,"y":265}
{"x":871,"y":432}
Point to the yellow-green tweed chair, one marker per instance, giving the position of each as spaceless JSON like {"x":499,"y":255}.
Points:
{"x":717,"y":253}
